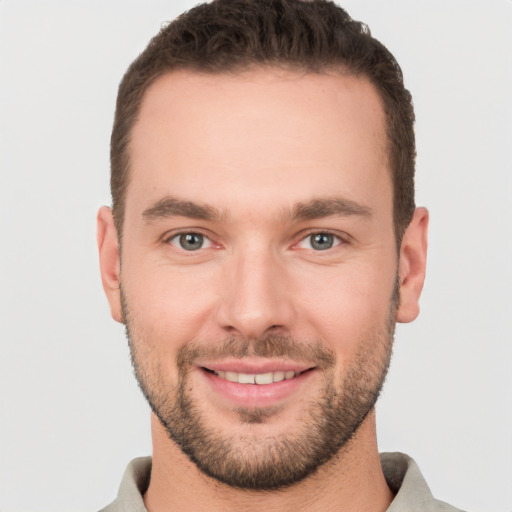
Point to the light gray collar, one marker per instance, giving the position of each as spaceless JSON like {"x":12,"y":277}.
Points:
{"x":402,"y":475}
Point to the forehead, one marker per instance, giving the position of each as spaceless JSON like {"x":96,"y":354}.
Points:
{"x":262,"y":131}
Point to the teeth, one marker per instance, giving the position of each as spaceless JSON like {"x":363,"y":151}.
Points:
{"x":232,"y":376}
{"x":264,"y":378}
{"x":245,"y":378}
{"x":279,"y":376}
{"x":260,"y":378}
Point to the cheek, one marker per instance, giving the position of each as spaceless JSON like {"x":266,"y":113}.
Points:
{"x":346,"y":306}
{"x":170,"y":304}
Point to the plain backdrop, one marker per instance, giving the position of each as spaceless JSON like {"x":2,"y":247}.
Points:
{"x":71,"y":414}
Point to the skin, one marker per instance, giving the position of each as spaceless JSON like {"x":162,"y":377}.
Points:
{"x":252,"y":147}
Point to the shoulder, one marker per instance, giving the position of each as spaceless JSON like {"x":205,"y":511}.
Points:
{"x":409,"y":486}
{"x":133,"y":486}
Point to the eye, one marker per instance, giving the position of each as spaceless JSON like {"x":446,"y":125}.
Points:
{"x":320,"y":241}
{"x":190,"y":241}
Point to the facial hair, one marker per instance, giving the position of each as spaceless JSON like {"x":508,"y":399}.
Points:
{"x":248,"y":461}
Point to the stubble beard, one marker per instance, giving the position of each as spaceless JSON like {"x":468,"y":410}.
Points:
{"x":247,"y":461}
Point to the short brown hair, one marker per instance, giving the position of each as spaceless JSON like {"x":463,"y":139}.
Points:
{"x":236,"y":35}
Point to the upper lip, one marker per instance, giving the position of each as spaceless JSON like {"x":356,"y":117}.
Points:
{"x":255,"y":366}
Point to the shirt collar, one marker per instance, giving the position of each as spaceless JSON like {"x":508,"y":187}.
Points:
{"x":401,"y":472}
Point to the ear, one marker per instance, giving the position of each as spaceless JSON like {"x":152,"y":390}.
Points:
{"x":411,"y":270}
{"x":110,"y":263}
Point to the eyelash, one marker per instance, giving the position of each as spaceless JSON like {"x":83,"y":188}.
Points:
{"x":339,"y":240}
{"x":168,"y":239}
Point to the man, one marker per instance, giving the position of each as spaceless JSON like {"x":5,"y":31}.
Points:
{"x":262,"y":244}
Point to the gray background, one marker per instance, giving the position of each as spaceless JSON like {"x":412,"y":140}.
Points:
{"x":71,"y":414}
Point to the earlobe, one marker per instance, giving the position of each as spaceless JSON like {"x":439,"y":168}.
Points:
{"x":110,"y":264}
{"x":412,"y":266}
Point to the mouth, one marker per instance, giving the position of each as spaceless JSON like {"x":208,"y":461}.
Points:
{"x":261,"y":379}
{"x":257,"y":384}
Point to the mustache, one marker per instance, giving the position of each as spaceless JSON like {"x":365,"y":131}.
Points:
{"x":270,"y":346}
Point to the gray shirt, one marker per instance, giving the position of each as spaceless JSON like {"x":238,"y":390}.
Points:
{"x":412,"y":493}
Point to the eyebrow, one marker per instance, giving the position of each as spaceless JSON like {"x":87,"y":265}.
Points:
{"x":318,"y":208}
{"x":314,"y":209}
{"x":173,"y":207}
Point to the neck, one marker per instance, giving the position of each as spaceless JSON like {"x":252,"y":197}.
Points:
{"x":352,"y":480}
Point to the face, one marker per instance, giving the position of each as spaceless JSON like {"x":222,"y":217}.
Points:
{"x":259,"y":267}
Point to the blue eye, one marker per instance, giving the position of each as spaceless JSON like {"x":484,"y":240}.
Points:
{"x":320,"y":241}
{"x":190,"y":241}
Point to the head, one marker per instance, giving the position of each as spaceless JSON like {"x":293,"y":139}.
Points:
{"x":262,"y":179}
{"x":232,"y":36}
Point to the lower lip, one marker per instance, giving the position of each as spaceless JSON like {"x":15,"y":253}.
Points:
{"x":256,"y":395}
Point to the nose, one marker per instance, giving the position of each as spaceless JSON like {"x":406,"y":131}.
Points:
{"x":256,"y":296}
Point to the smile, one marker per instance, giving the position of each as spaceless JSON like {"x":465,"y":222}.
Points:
{"x":259,"y":378}
{"x":255,"y":383}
